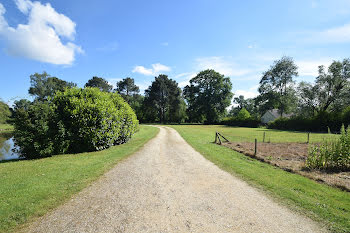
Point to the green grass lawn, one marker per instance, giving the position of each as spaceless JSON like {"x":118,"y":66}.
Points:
{"x":6,"y":127}
{"x":323,"y":203}
{"x":275,"y":136}
{"x":31,"y":188}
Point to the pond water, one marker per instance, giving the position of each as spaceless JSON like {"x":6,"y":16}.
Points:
{"x":6,"y":146}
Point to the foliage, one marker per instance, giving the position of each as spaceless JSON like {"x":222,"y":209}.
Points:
{"x":208,"y":96}
{"x":100,"y":83}
{"x":136,"y":103}
{"x":331,"y":154}
{"x":234,"y":121}
{"x":276,"y":87}
{"x":330,"y":92}
{"x":32,"y":188}
{"x":163,"y":101}
{"x":318,"y":123}
{"x":75,"y":120}
{"x":308,"y":99}
{"x":5,"y":112}
{"x":127,"y":88}
{"x":248,"y":104}
{"x":32,"y":130}
{"x":331,"y":85}
{"x":243,"y":115}
{"x":44,"y":86}
{"x":129,"y":91}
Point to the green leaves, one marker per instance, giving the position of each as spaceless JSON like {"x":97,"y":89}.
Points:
{"x":276,"y":87}
{"x":208,"y":96}
{"x":76,"y":120}
{"x":331,"y":154}
{"x":5,"y":112}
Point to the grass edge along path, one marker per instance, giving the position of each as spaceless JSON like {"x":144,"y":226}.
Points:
{"x":325,"y":204}
{"x":31,"y":188}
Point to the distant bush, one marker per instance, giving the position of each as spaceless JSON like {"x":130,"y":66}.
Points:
{"x":5,"y":112}
{"x":243,"y":115}
{"x":331,"y":154}
{"x":234,"y":121}
{"x":319,"y":123}
{"x":76,"y":120}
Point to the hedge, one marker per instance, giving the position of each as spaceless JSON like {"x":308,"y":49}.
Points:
{"x":320,"y":123}
{"x":73,"y":121}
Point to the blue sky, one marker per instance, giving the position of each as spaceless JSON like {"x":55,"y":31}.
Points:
{"x":75,"y":40}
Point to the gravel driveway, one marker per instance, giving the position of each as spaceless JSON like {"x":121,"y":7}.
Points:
{"x":169,"y":187}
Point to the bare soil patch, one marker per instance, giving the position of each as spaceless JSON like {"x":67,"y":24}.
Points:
{"x":290,"y":157}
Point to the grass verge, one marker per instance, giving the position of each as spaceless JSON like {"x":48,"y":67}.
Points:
{"x":323,"y":203}
{"x":31,"y":188}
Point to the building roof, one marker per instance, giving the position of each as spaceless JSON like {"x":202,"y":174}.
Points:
{"x":276,"y":114}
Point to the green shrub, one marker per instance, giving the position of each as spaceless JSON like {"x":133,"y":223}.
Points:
{"x":243,"y":115}
{"x":32,"y":131}
{"x":73,"y":121}
{"x":5,"y":112}
{"x":319,"y":123}
{"x":234,"y":121}
{"x":332,"y":154}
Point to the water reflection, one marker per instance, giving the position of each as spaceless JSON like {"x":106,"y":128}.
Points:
{"x":6,"y":146}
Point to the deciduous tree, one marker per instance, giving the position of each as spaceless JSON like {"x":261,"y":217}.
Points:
{"x":44,"y":86}
{"x":208,"y":96}
{"x":276,"y":86}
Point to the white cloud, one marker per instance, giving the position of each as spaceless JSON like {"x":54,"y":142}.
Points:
{"x":310,"y":68}
{"x":222,"y":65}
{"x":246,"y":94}
{"x":142,"y":70}
{"x":155,"y":70}
{"x":183,"y":79}
{"x":40,"y":39}
{"x":24,"y":5}
{"x":339,"y":34}
{"x":165,"y":44}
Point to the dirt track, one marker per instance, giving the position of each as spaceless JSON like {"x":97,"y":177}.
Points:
{"x":169,"y":187}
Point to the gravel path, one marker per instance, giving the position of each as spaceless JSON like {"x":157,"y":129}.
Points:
{"x":169,"y":187}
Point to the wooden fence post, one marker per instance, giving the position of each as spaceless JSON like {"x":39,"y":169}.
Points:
{"x":255,"y":148}
{"x":264,"y":137}
{"x":216,"y":136}
{"x":308,"y":138}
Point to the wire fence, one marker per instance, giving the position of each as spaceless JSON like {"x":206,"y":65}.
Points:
{"x":288,"y":151}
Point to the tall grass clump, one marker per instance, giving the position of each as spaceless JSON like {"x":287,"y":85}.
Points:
{"x":331,"y":154}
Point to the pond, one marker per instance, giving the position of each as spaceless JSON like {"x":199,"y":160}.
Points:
{"x":6,"y":146}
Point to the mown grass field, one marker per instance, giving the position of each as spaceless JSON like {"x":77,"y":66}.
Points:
{"x":275,"y":136}
{"x":31,"y":188}
{"x":325,"y":204}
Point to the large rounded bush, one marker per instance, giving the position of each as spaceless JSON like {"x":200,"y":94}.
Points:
{"x":76,"y":120}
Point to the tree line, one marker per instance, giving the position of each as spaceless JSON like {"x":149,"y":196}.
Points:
{"x":207,"y":97}
{"x":204,"y":100}
{"x":316,"y":106}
